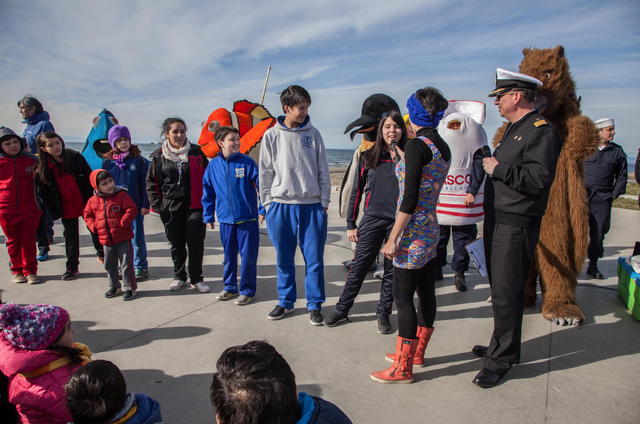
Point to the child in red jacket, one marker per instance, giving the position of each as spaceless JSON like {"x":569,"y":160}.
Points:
{"x":109,"y":213}
{"x":19,"y":206}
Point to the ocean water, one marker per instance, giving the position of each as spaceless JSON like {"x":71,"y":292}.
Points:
{"x":337,"y":158}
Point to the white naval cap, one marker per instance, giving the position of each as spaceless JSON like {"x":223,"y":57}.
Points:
{"x":604,"y":123}
{"x":506,"y":80}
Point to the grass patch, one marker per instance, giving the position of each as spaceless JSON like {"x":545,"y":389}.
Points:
{"x":633,"y":188}
{"x":624,"y":203}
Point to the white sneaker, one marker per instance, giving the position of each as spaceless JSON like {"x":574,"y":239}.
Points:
{"x":202,"y":288}
{"x":177,"y":285}
{"x":379,"y":273}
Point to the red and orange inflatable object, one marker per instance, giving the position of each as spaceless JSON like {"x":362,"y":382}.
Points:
{"x":251,"y":119}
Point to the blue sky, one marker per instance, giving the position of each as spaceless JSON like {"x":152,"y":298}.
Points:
{"x":147,"y":60}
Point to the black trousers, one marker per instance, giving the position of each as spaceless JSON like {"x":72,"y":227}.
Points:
{"x":462,"y":234}
{"x":599,"y":225}
{"x":41,"y":233}
{"x":406,"y":282}
{"x":372,"y":233}
{"x":508,"y":252}
{"x":72,"y":243}
{"x":184,"y":229}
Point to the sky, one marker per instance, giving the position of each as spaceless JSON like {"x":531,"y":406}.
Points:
{"x":148,"y":60}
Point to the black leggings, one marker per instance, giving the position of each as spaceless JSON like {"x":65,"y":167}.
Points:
{"x":406,"y":282}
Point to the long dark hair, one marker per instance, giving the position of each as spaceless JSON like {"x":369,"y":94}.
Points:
{"x":372,"y":156}
{"x":71,"y":353}
{"x":43,"y":173}
{"x":134,"y":151}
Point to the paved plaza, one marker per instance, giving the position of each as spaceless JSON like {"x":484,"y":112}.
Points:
{"x":167,"y":343}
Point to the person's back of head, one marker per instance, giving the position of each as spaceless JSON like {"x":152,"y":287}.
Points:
{"x":432,"y":100}
{"x":95,"y":393}
{"x":254,"y":384}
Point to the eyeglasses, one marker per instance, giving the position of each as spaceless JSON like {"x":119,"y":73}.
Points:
{"x":499,"y":96}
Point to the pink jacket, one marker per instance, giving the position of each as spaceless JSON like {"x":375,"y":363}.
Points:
{"x":39,"y":399}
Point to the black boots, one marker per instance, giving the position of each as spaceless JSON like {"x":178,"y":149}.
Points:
{"x":593,"y":270}
{"x":461,"y":284}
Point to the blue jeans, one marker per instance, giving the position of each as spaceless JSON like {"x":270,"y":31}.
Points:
{"x":139,"y":243}
{"x":245,"y":238}
{"x":286,"y":225}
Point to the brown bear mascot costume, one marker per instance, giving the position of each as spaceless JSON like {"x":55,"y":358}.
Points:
{"x":564,"y":233}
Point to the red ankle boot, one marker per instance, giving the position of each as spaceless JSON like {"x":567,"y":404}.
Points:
{"x":402,"y":369}
{"x":423,"y":335}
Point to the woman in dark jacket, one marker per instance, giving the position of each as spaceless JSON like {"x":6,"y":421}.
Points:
{"x":62,"y":176}
{"x":174,"y":188}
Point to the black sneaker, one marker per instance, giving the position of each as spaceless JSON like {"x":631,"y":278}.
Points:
{"x":142,"y":274}
{"x":70,"y":275}
{"x":461,"y":283}
{"x":315,"y":317}
{"x":384,"y":326}
{"x":128,"y":295}
{"x":334,"y":319}
{"x":278,"y":312}
{"x":439,"y":275}
{"x":112,"y":292}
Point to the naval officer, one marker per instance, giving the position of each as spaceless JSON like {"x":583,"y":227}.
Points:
{"x":521,"y":172}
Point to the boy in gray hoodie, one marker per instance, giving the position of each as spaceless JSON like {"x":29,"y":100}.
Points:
{"x":295,"y":187}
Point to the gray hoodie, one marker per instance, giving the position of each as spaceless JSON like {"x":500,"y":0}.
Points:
{"x":293,"y":166}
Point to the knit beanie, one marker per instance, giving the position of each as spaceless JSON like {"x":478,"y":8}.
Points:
{"x":116,"y":132}
{"x":32,"y":327}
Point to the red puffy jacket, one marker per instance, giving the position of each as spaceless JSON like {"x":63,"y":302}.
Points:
{"x":110,"y":216}
{"x":38,"y":399}
{"x":17,"y":189}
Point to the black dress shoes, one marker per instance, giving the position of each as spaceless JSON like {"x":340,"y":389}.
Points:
{"x":479,"y":350}
{"x":593,"y":271}
{"x":486,"y":378}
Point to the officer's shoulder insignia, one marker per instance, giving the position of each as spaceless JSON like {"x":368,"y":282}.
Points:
{"x":540,"y":122}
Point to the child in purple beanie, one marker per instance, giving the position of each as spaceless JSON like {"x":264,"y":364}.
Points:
{"x":38,"y":355}
{"x":129,"y":170}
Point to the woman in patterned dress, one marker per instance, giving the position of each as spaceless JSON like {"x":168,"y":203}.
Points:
{"x":414,"y":237}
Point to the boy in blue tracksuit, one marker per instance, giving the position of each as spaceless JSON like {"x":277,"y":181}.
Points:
{"x":231,"y":192}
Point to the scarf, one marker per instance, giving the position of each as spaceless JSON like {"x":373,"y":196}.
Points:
{"x":127,"y":411}
{"x":119,"y":158}
{"x":420,"y":116}
{"x":176,"y":155}
{"x":85,"y":354}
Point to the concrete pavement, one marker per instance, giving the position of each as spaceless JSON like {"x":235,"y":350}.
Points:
{"x":167,"y":343}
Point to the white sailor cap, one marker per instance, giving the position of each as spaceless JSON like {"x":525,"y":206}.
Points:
{"x":506,"y":80}
{"x":604,"y":123}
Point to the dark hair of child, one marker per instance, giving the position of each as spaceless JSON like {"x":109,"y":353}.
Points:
{"x":71,"y":353}
{"x":432,"y":100}
{"x":293,"y":95}
{"x":104,"y":175}
{"x":166,"y":125}
{"x":10,"y":137}
{"x":254,"y":384}
{"x":134,"y":151}
{"x":95,"y":393}
{"x":222,"y":132}
{"x":372,"y":156}
{"x":43,"y":172}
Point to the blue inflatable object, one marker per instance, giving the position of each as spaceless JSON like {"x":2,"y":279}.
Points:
{"x":97,"y":143}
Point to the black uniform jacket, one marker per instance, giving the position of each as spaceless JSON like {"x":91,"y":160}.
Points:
{"x":378,"y":187}
{"x":605,"y":173}
{"x":517,"y":192}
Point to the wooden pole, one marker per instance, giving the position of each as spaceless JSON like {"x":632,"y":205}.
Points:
{"x":266,"y":81}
